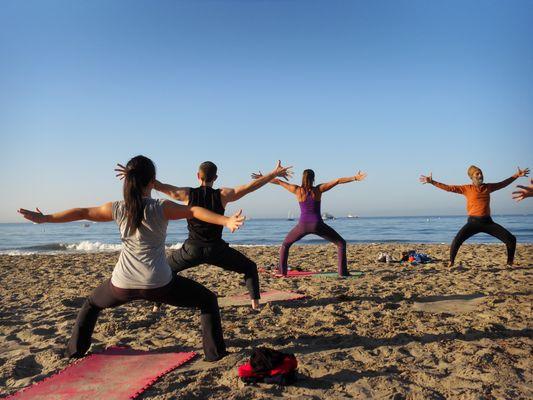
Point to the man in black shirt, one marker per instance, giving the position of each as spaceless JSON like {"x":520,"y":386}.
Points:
{"x":205,"y":244}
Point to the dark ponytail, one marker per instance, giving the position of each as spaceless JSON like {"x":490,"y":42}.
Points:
{"x":140,"y":171}
{"x":308,"y":179}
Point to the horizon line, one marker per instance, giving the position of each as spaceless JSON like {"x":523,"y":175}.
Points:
{"x":343,"y":217}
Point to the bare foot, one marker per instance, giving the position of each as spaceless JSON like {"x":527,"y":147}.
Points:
{"x":450,"y":264}
{"x":217,"y":358}
{"x":156,"y":307}
{"x":255,"y":304}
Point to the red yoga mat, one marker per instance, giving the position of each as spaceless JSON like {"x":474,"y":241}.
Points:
{"x":117,"y":373}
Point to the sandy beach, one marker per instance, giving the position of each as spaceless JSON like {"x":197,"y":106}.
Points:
{"x":398,"y":331}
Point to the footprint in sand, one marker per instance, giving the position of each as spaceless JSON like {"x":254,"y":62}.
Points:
{"x":75,"y":302}
{"x":44,"y":331}
{"x":142,"y":323}
{"x":391,"y":306}
{"x":452,"y":304}
{"x":27,"y":367}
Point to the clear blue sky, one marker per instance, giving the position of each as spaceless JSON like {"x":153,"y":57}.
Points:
{"x":395,"y":88}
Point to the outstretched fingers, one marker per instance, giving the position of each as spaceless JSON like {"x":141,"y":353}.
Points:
{"x":283,"y":172}
{"x":286,"y":173}
{"x":519,"y":195}
{"x":235,"y":221}
{"x":361,"y":175}
{"x":257,"y":175}
{"x":523,"y":172}
{"x":31,"y":215}
{"x":426,"y":179}
{"x":121,"y":169}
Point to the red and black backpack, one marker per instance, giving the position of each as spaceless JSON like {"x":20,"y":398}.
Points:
{"x":269,"y":366}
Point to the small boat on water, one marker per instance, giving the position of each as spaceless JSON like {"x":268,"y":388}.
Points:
{"x":352,"y":216}
{"x":290,"y":216}
{"x":327,"y":216}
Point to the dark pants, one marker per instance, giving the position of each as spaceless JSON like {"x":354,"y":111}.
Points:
{"x":219,"y":254}
{"x":485,"y":225}
{"x":180,"y":292}
{"x":317,"y":228}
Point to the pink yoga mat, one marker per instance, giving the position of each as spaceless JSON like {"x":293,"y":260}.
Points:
{"x":117,"y":373}
{"x":297,"y":274}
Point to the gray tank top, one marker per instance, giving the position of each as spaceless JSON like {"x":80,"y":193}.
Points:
{"x":142,"y":262}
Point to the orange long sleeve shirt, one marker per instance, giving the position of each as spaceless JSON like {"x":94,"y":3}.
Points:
{"x":477,"y":197}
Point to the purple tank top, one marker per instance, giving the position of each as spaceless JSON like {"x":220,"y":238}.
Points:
{"x":310,"y":209}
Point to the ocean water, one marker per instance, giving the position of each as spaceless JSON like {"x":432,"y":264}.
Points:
{"x":27,"y":238}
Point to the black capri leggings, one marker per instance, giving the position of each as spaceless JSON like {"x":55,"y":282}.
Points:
{"x":219,"y":254}
{"x":485,"y":225}
{"x":180,"y":292}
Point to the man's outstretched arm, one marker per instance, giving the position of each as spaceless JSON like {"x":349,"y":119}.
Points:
{"x":174,"y":192}
{"x":449,"y":188}
{"x":500,"y":185}
{"x":233,"y":194}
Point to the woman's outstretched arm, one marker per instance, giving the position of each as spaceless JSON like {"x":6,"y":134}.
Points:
{"x":97,"y":214}
{"x":177,"y":211}
{"x":324,"y":187}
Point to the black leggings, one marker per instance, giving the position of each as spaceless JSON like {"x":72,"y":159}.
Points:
{"x":180,"y":292}
{"x":485,"y":225}
{"x":219,"y":254}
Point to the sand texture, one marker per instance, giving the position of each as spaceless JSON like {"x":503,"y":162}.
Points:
{"x":398,"y":331}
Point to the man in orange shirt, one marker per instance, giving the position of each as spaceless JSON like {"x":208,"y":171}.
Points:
{"x":478,"y":207}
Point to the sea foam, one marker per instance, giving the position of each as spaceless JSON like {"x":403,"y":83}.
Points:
{"x":84,"y":246}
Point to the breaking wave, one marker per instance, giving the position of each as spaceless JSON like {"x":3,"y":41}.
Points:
{"x":84,"y":246}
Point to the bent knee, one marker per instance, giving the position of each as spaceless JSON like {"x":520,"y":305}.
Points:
{"x":210,"y":299}
{"x":90,"y":304}
{"x":253,"y":267}
{"x":286,"y":245}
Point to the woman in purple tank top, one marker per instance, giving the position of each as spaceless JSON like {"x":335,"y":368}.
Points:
{"x":311,"y":222}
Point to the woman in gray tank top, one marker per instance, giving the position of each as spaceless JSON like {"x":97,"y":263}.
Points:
{"x":142,"y":271}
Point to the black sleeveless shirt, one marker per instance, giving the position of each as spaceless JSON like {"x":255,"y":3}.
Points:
{"x":199,"y":231}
